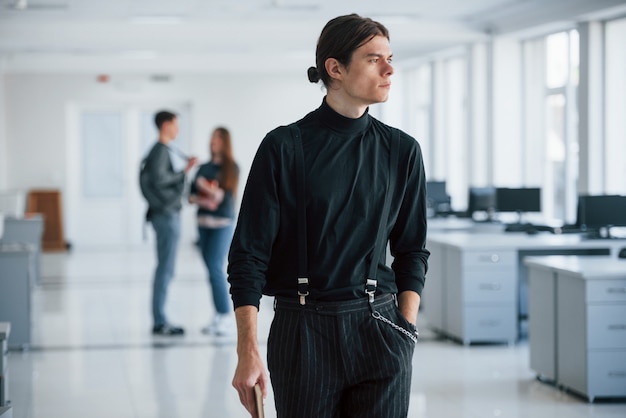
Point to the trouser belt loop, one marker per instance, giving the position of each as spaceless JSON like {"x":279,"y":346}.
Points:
{"x":303,"y":289}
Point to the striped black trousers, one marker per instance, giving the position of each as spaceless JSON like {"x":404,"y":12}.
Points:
{"x":335,"y":360}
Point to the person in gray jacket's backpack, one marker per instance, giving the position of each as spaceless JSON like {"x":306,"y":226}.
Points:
{"x":162,"y":187}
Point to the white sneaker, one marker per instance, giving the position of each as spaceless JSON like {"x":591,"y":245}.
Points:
{"x":222,"y":325}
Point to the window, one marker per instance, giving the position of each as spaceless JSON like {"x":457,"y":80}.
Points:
{"x":615,"y":107}
{"x":102,"y":159}
{"x":439,"y":122}
{"x":420,"y":124}
{"x":455,"y":130}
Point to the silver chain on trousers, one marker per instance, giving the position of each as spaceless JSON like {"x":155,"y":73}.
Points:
{"x":378,"y":316}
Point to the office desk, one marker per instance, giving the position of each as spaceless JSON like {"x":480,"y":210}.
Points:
{"x":577,"y":323}
{"x":26,"y":231}
{"x":16,"y":281}
{"x":454,"y":224}
{"x":476,"y":287}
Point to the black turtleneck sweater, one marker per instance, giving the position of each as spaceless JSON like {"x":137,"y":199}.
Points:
{"x":346,"y":165}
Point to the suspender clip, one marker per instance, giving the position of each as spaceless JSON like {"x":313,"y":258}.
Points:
{"x":303,"y":289}
{"x":370,"y":289}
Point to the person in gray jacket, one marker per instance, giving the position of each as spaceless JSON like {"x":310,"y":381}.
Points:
{"x":163,"y":187}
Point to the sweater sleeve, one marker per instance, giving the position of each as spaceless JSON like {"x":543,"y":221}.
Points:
{"x":408,"y":237}
{"x":257,"y":227}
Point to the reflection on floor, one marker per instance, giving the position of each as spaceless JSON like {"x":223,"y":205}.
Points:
{"x":93,"y":356}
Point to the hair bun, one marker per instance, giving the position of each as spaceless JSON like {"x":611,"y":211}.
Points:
{"x":314,"y":74}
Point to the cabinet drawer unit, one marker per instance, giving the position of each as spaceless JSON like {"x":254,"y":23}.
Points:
{"x":489,"y":287}
{"x":473,"y":259}
{"x":606,"y":326}
{"x":606,"y":291}
{"x":607,"y":374}
{"x":488,"y":324}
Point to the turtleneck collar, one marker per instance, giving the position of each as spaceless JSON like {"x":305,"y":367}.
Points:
{"x":340,"y":123}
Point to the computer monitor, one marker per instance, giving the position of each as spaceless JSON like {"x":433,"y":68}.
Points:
{"x":602,"y":211}
{"x":520,"y":200}
{"x":481,"y":199}
{"x":436,"y":196}
{"x":436,"y":190}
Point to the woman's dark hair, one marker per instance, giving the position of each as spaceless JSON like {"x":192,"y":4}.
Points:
{"x":339,"y":39}
{"x":163,"y":116}
{"x":229,"y":177}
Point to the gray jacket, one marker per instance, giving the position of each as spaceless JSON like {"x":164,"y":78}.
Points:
{"x":160,"y":184}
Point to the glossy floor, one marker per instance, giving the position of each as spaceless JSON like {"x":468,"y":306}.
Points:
{"x":93,"y":356}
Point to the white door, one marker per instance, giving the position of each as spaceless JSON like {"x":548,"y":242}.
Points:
{"x":106,"y":144}
{"x":97,"y":176}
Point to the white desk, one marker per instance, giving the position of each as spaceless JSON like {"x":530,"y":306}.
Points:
{"x":454,"y":224}
{"x":16,"y":281}
{"x":577,"y":323}
{"x":26,"y":231}
{"x":476,"y":288}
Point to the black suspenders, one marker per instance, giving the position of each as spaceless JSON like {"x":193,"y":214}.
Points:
{"x":381,"y":240}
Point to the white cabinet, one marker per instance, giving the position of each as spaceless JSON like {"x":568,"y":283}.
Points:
{"x":16,"y":280}
{"x":435,"y":288}
{"x":470,"y":295}
{"x":591,"y":322}
{"x":26,"y":231}
{"x":481,"y":295}
{"x":577,"y":323}
{"x":474,"y":281}
{"x":542,"y":321}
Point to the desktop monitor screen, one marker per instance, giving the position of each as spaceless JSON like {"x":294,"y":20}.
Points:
{"x":436,"y":191}
{"x":518,"y":200}
{"x":602,"y":211}
{"x":481,"y":199}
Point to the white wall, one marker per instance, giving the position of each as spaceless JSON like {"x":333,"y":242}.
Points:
{"x":249,"y":105}
{"x":37,"y":106}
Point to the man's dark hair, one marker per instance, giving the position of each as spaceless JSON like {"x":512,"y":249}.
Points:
{"x":163,"y":116}
{"x":339,"y":39}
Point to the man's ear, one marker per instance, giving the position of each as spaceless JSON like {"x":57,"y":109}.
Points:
{"x":334,"y":69}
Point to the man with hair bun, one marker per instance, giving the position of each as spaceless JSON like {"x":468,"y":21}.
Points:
{"x":324,"y":197}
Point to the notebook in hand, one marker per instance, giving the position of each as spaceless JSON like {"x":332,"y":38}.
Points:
{"x":258,"y":396}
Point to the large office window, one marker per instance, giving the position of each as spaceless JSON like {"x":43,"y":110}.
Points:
{"x":439,"y":122}
{"x":551,"y":79}
{"x":421,"y":123}
{"x":455,"y":129}
{"x":615,"y":107}
{"x":561,"y":133}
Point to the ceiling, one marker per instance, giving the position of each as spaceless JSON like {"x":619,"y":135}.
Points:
{"x":247,"y":35}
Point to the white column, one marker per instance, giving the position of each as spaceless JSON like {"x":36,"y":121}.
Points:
{"x":506,"y":115}
{"x":478,"y":104}
{"x":591,"y":109}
